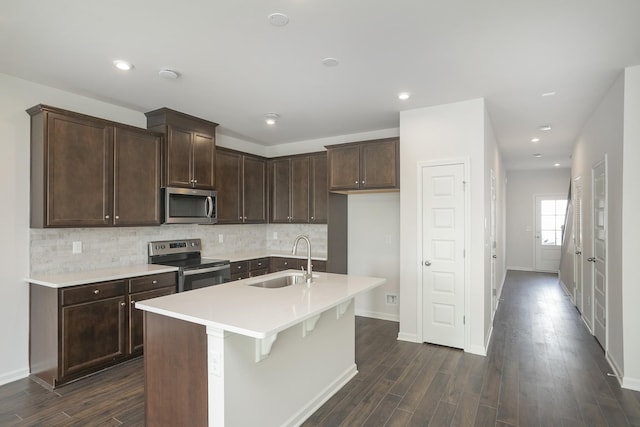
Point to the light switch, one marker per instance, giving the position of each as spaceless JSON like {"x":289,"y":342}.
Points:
{"x":77,"y":247}
{"x":220,"y":238}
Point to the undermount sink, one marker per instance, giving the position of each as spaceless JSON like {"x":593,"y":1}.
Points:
{"x":280,"y":282}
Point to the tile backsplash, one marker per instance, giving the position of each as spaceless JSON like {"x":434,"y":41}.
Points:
{"x":51,"y":249}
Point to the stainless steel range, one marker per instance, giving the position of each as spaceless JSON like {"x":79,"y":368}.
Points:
{"x":193,"y":271}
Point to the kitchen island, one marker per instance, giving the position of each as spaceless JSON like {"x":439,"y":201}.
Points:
{"x":239,"y":355}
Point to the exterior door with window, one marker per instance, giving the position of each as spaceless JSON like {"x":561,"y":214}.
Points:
{"x":550,"y":216}
{"x":577,"y":243}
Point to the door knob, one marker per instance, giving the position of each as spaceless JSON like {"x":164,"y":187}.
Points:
{"x":494,"y":256}
{"x":578,"y":253}
{"x":591,"y":259}
{"x":427,"y":263}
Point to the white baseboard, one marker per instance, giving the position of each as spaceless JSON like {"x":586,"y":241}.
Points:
{"x":631,"y":383}
{"x":520,"y":268}
{"x":614,"y":366}
{"x":378,"y":315}
{"x":322,"y":397}
{"x":10,"y":377}
{"x":476,"y":349}
{"x":587,"y":324}
{"x":403,"y":336}
{"x":488,"y":340}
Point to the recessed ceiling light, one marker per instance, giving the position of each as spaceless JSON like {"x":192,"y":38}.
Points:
{"x":122,"y":65}
{"x":330,"y":62}
{"x":556,"y":164}
{"x":537,"y":155}
{"x":404,"y":96}
{"x":548,"y":93}
{"x":278,"y":19}
{"x":535,"y":139}
{"x":545,"y":127}
{"x":271,"y":118}
{"x":168,"y":74}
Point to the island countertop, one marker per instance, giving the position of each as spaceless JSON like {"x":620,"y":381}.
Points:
{"x":260,"y":312}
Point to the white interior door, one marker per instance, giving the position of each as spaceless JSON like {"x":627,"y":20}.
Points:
{"x":550,"y":215}
{"x":492,"y":238}
{"x":443,"y":236}
{"x":599,"y":257}
{"x":577,"y":242}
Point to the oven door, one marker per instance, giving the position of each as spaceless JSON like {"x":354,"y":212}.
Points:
{"x":203,"y":277}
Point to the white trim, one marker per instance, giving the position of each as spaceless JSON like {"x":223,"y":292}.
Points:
{"x":602,"y":161}
{"x":516,"y":268}
{"x":378,"y":315}
{"x":631,"y":383}
{"x":12,"y":376}
{"x":614,"y":367}
{"x":465,"y":162}
{"x":403,"y":336}
{"x":476,"y":349}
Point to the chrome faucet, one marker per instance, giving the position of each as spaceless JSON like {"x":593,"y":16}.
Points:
{"x":308,"y":274}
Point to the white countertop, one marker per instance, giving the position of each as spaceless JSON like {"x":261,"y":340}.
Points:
{"x":103,"y":275}
{"x":259,"y":312}
{"x":243,"y":256}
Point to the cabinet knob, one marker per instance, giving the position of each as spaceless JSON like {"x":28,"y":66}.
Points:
{"x":122,"y":304}
{"x":132,"y":302}
{"x":362,"y":181}
{"x":312,"y":218}
{"x":245,"y":218}
{"x":106,"y":217}
{"x":356,"y":182}
{"x":117,"y":216}
{"x":154,"y":282}
{"x":96,"y":291}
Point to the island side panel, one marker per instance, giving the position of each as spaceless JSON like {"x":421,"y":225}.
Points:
{"x":295,"y":379}
{"x":175,"y":363}
{"x":43,"y":333}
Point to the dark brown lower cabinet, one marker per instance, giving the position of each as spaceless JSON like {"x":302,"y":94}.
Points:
{"x":79,"y":330}
{"x":249,"y":268}
{"x":280,"y":263}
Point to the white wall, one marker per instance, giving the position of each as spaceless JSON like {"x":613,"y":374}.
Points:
{"x":445,"y":132}
{"x":603,"y":135}
{"x":374,"y":250}
{"x":631,"y":235}
{"x":522,"y":186}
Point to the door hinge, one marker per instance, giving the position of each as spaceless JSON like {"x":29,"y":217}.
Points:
{"x":494,"y":292}
{"x":464,"y":185}
{"x":464,"y":320}
{"x":464,"y":253}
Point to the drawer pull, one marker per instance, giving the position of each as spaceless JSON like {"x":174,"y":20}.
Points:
{"x":155,"y":282}
{"x":122,"y":304}
{"x":96,"y":291}
{"x":132,"y":302}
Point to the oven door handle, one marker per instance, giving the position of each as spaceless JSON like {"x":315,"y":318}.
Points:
{"x":206,"y":270}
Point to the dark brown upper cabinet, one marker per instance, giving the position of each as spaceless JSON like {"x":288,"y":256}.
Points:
{"x":89,"y":172}
{"x":289,"y":185}
{"x":318,"y":188}
{"x":189,"y":148}
{"x":241,"y":185}
{"x":367,"y":165}
{"x":298,"y":189}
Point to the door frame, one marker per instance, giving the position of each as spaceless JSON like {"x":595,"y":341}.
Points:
{"x":602,"y":161}
{"x":556,"y":196}
{"x":578,"y":260}
{"x":465,"y":162}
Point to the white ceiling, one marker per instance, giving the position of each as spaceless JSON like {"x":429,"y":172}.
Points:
{"x":235,"y":66}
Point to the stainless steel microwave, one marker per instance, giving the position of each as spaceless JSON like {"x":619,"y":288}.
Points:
{"x":189,"y":206}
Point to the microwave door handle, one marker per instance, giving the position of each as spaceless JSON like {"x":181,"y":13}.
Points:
{"x":209,"y":207}
{"x":206,"y":270}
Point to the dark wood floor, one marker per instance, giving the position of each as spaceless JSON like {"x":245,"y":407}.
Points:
{"x":543,"y":369}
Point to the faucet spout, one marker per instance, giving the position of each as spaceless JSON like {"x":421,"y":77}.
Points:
{"x":308,"y":275}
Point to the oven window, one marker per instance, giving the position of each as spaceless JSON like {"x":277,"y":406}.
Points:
{"x":197,"y":281}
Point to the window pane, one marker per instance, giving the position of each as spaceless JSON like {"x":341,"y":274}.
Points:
{"x":561,"y":207}
{"x":548,"y":222}
{"x":548,"y":207}
{"x":548,"y":237}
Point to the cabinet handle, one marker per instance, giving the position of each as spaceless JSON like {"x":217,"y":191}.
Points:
{"x":117,"y":216}
{"x":122,"y":304}
{"x":154,"y":282}
{"x":245,"y":218}
{"x":356,"y":182}
{"x":312,"y":218}
{"x":132,"y":302}
{"x":106,"y":217}
{"x":96,"y":291}
{"x":259,"y":264}
{"x":362,"y":181}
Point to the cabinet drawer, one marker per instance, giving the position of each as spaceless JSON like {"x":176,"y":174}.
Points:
{"x":92,"y":292}
{"x":239,"y":267}
{"x":279,"y":264}
{"x":146,"y":283}
{"x":258,"y":263}
{"x":259,"y":272}
{"x":240,"y":276}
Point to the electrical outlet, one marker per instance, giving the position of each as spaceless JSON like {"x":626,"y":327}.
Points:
{"x":391,"y":299}
{"x":275,"y":235}
{"x":220,"y":238}
{"x":76,"y":247}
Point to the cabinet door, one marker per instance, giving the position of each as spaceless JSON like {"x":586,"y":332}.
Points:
{"x":344,"y":168}
{"x":178,"y":161}
{"x":229,"y":185}
{"x":136,"y":316}
{"x":318,"y":188}
{"x":136,"y":178}
{"x":254,"y":190}
{"x":299,"y":194}
{"x":79,"y":165}
{"x":280,"y":179}
{"x":379,"y":164}
{"x":204,"y":148}
{"x":93,"y":335}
